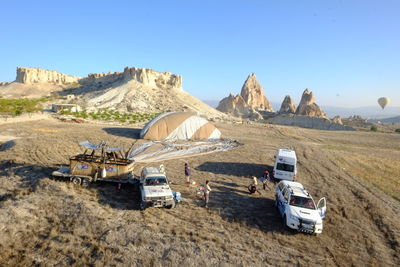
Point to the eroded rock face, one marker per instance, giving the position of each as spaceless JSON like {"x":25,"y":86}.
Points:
{"x":253,"y":94}
{"x":37,"y":75}
{"x":337,"y":119}
{"x":234,"y":105}
{"x":147,"y":77}
{"x":308,"y":107}
{"x":288,"y":106}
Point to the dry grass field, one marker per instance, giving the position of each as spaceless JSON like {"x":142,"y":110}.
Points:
{"x":46,"y":222}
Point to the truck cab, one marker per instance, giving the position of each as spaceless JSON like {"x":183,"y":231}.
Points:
{"x":285,"y":165}
{"x":298,"y":209}
{"x":154,"y":189}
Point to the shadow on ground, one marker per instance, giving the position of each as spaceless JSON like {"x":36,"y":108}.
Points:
{"x":234,"y":168}
{"x":133,"y":133}
{"x":125,"y":198}
{"x":29,"y":176}
{"x":7,"y":145}
{"x":253,"y":211}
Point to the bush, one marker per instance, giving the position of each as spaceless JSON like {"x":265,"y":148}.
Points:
{"x":397,"y":130}
{"x":374,"y":128}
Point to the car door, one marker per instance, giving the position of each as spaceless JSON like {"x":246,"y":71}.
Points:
{"x":321,"y":207}
{"x":282,"y":201}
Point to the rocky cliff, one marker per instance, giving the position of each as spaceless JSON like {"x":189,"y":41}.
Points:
{"x":37,"y":75}
{"x":308,"y":106}
{"x":146,"y":76}
{"x":288,"y":106}
{"x":253,"y":94}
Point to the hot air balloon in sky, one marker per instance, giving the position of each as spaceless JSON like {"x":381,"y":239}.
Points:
{"x":383,"y":101}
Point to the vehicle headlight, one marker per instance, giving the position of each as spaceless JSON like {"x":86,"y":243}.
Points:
{"x":294,"y":217}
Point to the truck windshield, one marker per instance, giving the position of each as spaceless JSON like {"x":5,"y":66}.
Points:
{"x":156,"y":181}
{"x":303,"y":202}
{"x":285,"y":167}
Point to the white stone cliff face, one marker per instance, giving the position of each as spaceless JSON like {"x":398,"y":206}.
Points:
{"x":37,"y":75}
{"x":145,"y":76}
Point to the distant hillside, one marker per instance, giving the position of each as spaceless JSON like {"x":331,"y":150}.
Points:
{"x":387,"y":120}
{"x":133,"y":90}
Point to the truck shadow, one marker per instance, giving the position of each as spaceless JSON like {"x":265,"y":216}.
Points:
{"x":127,"y":197}
{"x":234,"y":168}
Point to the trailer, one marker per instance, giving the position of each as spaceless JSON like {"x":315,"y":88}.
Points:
{"x":98,"y":163}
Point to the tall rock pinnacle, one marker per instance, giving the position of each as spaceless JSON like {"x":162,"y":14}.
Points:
{"x":308,"y":107}
{"x":288,"y":106}
{"x":253,"y":94}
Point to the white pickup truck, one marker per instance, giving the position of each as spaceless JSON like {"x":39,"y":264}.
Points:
{"x":298,"y":208}
{"x":154,"y":189}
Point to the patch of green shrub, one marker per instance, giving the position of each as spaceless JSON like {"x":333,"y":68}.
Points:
{"x":374,"y":128}
{"x":397,"y":130}
{"x":18,"y":106}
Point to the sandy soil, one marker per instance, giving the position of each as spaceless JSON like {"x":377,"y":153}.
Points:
{"x":49,"y":222}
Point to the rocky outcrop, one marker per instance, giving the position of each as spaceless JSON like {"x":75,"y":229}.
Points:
{"x":236,"y":106}
{"x":253,"y":94}
{"x":308,"y":106}
{"x":37,"y":75}
{"x":147,"y":77}
{"x":337,"y":119}
{"x":288,"y":106}
{"x":308,"y":122}
{"x":4,"y":83}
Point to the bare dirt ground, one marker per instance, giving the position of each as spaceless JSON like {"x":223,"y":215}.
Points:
{"x":47,"y":222}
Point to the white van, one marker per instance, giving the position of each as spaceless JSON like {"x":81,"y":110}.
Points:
{"x":285,"y":165}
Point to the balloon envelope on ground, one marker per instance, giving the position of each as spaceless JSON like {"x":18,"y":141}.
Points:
{"x":179,"y":126}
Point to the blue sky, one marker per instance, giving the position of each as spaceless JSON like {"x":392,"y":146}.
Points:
{"x":346,"y":52}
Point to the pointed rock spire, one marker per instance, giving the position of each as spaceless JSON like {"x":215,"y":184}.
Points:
{"x":308,"y":107}
{"x":253,"y":94}
{"x":288,"y":106}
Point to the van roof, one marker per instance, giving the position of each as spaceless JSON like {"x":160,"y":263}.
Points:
{"x":286,"y":153}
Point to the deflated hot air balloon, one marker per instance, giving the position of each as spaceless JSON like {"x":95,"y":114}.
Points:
{"x":383,"y":101}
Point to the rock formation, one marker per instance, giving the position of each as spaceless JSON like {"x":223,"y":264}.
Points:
{"x":308,"y":122}
{"x":337,"y":119}
{"x":234,"y":105}
{"x":248,"y":103}
{"x":288,"y":106}
{"x":37,"y":75}
{"x":308,"y":107}
{"x":253,"y":94}
{"x":133,"y":90}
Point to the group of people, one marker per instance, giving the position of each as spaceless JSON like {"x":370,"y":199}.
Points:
{"x":265,"y":179}
{"x":206,"y":189}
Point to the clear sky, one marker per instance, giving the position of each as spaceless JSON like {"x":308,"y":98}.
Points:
{"x":347,"y":52}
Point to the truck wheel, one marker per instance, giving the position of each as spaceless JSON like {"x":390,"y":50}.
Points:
{"x":142,"y":205}
{"x":76,"y":180}
{"x":85,"y":182}
{"x":171,"y":206}
{"x":285,"y":226}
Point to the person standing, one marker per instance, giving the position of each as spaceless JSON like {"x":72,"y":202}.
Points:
{"x":187,"y":173}
{"x":207,"y":190}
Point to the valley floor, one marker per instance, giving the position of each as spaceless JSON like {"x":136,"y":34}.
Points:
{"x":47,"y":222}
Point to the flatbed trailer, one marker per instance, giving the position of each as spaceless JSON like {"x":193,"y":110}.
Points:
{"x":108,"y":165}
